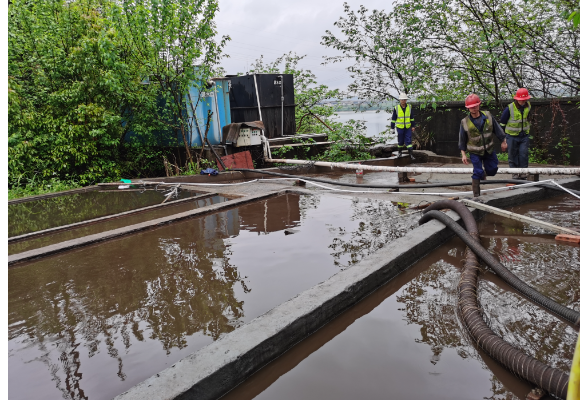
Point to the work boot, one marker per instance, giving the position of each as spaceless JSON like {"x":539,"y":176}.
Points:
{"x":399,"y":152}
{"x":476,"y":187}
{"x":410,"y":154}
{"x":483,"y":176}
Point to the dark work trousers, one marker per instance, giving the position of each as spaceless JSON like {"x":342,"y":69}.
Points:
{"x":404,"y":137}
{"x":518,"y":150}
{"x":490,"y":162}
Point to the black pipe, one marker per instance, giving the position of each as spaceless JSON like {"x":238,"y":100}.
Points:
{"x":392,"y":186}
{"x":550,"y":379}
{"x":521,"y":287}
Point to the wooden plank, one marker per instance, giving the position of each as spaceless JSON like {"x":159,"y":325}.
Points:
{"x":518,"y":217}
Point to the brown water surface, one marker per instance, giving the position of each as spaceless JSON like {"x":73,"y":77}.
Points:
{"x":91,"y":323}
{"x":115,"y":223}
{"x":405,"y":341}
{"x":48,"y":213}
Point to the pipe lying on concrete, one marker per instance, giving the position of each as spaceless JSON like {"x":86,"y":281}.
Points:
{"x":363,"y":167}
{"x":548,"y":378}
{"x":399,"y":186}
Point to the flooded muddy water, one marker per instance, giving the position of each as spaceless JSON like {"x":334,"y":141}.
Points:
{"x":48,"y":213}
{"x":91,"y":323}
{"x":115,"y":223}
{"x":405,"y":341}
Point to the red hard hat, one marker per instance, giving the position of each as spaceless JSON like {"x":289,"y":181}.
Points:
{"x":522,"y":94}
{"x":472,"y":100}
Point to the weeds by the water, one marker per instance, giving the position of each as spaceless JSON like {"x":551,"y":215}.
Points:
{"x":36,"y":188}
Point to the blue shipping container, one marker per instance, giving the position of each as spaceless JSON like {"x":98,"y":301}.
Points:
{"x":215,"y":99}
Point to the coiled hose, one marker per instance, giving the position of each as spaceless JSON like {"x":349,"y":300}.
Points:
{"x":550,"y":379}
{"x":392,"y":186}
{"x":572,"y":316}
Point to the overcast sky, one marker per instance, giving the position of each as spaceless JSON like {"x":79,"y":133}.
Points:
{"x":273,"y":27}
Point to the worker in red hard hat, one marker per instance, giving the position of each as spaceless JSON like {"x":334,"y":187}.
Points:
{"x":476,"y":135}
{"x":515,"y":120}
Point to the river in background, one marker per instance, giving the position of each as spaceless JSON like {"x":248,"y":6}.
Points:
{"x":375,"y":121}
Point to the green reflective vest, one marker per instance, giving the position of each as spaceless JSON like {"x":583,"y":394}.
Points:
{"x":479,"y":141}
{"x":517,"y":122}
{"x":402,"y":117}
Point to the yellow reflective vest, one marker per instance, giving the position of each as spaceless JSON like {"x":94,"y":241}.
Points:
{"x":403,"y":119}
{"x":518,"y":122}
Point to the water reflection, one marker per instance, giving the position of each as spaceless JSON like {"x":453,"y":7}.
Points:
{"x":412,"y":345}
{"x":116,"y":294}
{"x":380,"y":222}
{"x":93,"y":322}
{"x":64,"y":210}
{"x":272,"y":215}
{"x":110,"y":224}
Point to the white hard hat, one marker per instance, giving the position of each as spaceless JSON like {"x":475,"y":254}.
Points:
{"x":403,"y":96}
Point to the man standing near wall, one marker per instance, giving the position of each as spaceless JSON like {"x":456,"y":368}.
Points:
{"x":403,"y":119}
{"x":476,"y":135}
{"x":515,"y":120}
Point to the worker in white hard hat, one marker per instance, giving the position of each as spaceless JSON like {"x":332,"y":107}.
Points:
{"x":403,"y":120}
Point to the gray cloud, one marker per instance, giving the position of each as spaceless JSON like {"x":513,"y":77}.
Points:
{"x":272,"y":28}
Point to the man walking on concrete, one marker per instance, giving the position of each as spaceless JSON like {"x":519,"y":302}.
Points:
{"x":403,"y":119}
{"x":515,"y":120}
{"x":476,"y":135}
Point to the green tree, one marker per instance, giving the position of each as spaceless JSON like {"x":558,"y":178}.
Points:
{"x":443,"y":50}
{"x":66,"y":87}
{"x":79,"y":74}
{"x":172,"y":43}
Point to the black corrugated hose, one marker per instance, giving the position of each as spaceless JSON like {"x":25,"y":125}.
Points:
{"x":550,"y":379}
{"x":511,"y":279}
{"x":392,"y":186}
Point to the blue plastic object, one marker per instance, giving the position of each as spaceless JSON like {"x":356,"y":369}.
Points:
{"x":209,"y":171}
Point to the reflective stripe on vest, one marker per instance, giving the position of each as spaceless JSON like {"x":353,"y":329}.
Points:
{"x":517,"y":122}
{"x":478,"y":142}
{"x":402,"y":119}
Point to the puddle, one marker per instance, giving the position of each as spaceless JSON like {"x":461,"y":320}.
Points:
{"x":43,"y":214}
{"x":103,"y":226}
{"x":93,"y":322}
{"x":405,"y":340}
